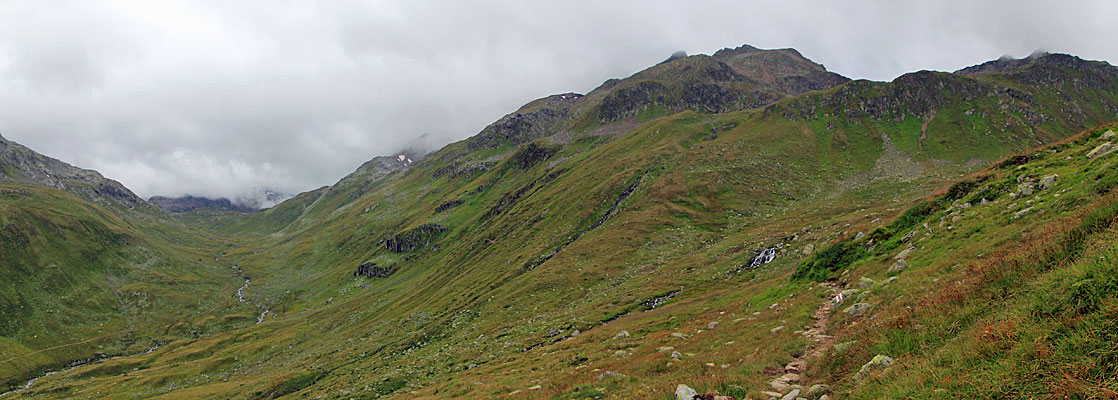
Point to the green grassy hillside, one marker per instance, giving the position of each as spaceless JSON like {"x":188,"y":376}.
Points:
{"x":506,"y":265}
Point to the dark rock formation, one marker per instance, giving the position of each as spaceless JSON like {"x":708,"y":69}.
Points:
{"x":190,"y":203}
{"x":448,"y":205}
{"x":371,"y":270}
{"x":532,"y":154}
{"x":415,"y":238}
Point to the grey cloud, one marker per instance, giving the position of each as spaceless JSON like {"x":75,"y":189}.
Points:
{"x":224,"y":98}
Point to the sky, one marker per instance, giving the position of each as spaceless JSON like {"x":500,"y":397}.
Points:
{"x":225,"y":99}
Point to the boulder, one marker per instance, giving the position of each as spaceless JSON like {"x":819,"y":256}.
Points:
{"x":904,"y":253}
{"x":683,"y":392}
{"x":1048,"y":181}
{"x":810,"y":248}
{"x":676,"y":355}
{"x":620,"y":353}
{"x":1109,"y":134}
{"x":712,"y":325}
{"x":859,"y":235}
{"x":816,"y":391}
{"x":1101,"y":150}
{"x":1021,"y":213}
{"x":622,"y":335}
{"x":665,"y":348}
{"x":898,"y":266}
{"x":609,"y":374}
{"x":857,"y":309}
{"x":1025,"y":189}
{"x":777,"y":329}
{"x":878,"y":363}
{"x":866,"y":283}
{"x":889,"y":280}
{"x":680,"y":335}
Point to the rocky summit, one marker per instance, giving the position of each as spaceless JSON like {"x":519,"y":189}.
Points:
{"x":742,"y":225}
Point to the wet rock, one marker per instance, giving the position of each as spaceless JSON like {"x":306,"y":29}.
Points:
{"x":898,"y":266}
{"x":1101,"y":150}
{"x":878,"y":363}
{"x":857,"y":309}
{"x":609,"y":374}
{"x":866,"y":283}
{"x":622,"y":335}
{"x":683,"y":392}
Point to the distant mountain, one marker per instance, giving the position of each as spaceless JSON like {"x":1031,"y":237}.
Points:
{"x":20,"y":163}
{"x":184,"y":204}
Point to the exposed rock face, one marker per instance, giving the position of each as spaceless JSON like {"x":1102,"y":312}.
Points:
{"x":371,"y":270}
{"x":531,"y":155}
{"x":190,"y":203}
{"x":532,"y":121}
{"x":415,"y":238}
{"x":23,"y":164}
{"x":448,"y":205}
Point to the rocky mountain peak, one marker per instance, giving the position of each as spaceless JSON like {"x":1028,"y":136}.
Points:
{"x":20,"y":163}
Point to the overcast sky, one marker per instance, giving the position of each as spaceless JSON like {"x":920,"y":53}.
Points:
{"x":224,"y":98}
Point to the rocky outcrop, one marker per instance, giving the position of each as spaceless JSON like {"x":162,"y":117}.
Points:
{"x":371,"y":270}
{"x":20,"y":163}
{"x":414,"y":238}
{"x":532,"y":121}
{"x":448,"y":205}
{"x":530,"y":155}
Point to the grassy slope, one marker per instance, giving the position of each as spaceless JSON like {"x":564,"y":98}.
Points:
{"x":81,"y":280}
{"x":493,"y":284}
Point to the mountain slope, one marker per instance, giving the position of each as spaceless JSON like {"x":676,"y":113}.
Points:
{"x":22,"y":164}
{"x":508,"y":263}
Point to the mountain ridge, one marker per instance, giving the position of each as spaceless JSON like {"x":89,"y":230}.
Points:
{"x":517,"y":257}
